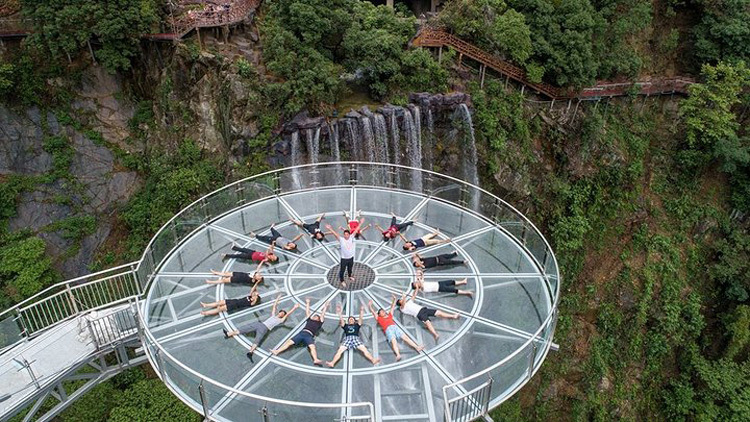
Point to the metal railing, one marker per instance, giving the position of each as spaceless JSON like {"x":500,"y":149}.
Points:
{"x":127,"y":282}
{"x":509,"y":374}
{"x":209,"y":393}
{"x":470,"y":405}
{"x":66,"y":300}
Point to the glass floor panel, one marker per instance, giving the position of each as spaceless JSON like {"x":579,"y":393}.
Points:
{"x":510,"y":302}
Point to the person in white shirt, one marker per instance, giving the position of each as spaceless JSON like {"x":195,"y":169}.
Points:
{"x":422,"y":313}
{"x":445,"y":286}
{"x":346,"y":242}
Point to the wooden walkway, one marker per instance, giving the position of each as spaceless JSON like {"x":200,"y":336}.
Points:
{"x":194,"y":14}
{"x":432,"y":37}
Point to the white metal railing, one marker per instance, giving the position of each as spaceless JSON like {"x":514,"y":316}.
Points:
{"x":117,"y":285}
{"x":66,"y":300}
{"x":172,"y":371}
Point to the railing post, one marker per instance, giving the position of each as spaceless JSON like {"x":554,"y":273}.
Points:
{"x":202,"y":392}
{"x":27,"y":366}
{"x":265,"y":414}
{"x":276,"y":183}
{"x":532,"y":357}
{"x":353,"y":175}
{"x":71,"y":299}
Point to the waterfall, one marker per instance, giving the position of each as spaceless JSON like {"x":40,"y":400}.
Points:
{"x":351,"y":131}
{"x":429,"y":140}
{"x":381,"y":138}
{"x":313,"y":144}
{"x":333,"y":138}
{"x":369,"y":138}
{"x":395,"y":138}
{"x":413,"y":146}
{"x":296,"y":161}
{"x":470,"y":146}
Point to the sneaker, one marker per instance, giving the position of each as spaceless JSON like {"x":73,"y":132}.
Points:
{"x":250,"y":356}
{"x":226,"y":334}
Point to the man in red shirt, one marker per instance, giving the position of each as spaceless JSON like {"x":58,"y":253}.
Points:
{"x":391,"y":330}
{"x":394,"y":228}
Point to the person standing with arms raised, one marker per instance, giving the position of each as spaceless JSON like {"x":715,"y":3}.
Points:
{"x":346,"y":242}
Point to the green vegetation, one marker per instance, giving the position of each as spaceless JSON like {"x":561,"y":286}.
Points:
{"x":64,"y":28}
{"x":173,"y":180}
{"x":309,"y":45}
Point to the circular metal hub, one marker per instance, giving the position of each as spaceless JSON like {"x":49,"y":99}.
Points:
{"x":362,"y":277}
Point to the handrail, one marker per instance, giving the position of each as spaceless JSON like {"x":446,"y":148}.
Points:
{"x":548,"y":265}
{"x":435,"y":37}
{"x":163,"y":353}
{"x":149,"y":263}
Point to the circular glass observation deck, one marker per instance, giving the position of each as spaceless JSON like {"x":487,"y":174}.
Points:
{"x":503,"y":332}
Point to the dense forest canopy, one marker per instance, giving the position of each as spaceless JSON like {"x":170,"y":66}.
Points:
{"x":644,"y":200}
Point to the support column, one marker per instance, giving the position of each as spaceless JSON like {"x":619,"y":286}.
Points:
{"x":389,"y":3}
{"x":482,"y":71}
{"x":440,"y":54}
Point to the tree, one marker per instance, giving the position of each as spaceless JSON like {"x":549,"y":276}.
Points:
{"x":64,"y":27}
{"x":492,"y":25}
{"x":724,"y":31}
{"x":562,"y":36}
{"x":711,"y":124}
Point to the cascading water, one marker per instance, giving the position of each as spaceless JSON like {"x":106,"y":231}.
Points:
{"x":368,"y":138}
{"x":351,"y":131}
{"x":333,"y":139}
{"x":413,"y":145}
{"x":395,"y":138}
{"x":313,"y":144}
{"x":296,"y":160}
{"x":428,"y":140}
{"x":381,"y":138}
{"x":469,"y":143}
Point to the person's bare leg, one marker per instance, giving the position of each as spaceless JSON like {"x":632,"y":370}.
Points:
{"x":287,"y":344}
{"x":296,"y":222}
{"x":410,"y":342}
{"x":442,"y":314}
{"x":394,"y":346}
{"x":253,"y":347}
{"x":336,"y":357}
{"x":314,"y":354}
{"x":232,"y":333}
{"x":214,"y":311}
{"x":213,"y":304}
{"x":431,"y":329}
{"x":367,"y":354}
{"x":461,"y":282}
{"x":466,"y":293}
{"x":222,"y":280}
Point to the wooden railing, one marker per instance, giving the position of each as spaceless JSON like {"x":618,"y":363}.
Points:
{"x":215,"y":13}
{"x":434,"y":37}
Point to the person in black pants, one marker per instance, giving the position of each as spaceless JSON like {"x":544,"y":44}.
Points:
{"x":346,"y":242}
{"x":394,"y":228}
{"x":276,"y":238}
{"x":435,"y":261}
{"x":312,"y":228}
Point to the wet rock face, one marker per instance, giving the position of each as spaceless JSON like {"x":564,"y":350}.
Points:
{"x":99,"y":105}
{"x":95,"y":186}
{"x":17,"y":155}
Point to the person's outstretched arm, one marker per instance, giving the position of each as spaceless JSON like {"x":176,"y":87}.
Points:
{"x":255,"y":287}
{"x":372,"y":309}
{"x":361,"y":314}
{"x":323,"y":312}
{"x":307,"y":307}
{"x":401,"y":235}
{"x":275,"y":304}
{"x":260,"y":265}
{"x":294,"y":308}
{"x":334,"y":233}
{"x":321,"y":217}
{"x":296,"y":238}
{"x":341,"y":316}
{"x":414,"y":293}
{"x":393,"y":303}
{"x":270,"y":248}
{"x":379,"y":228}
